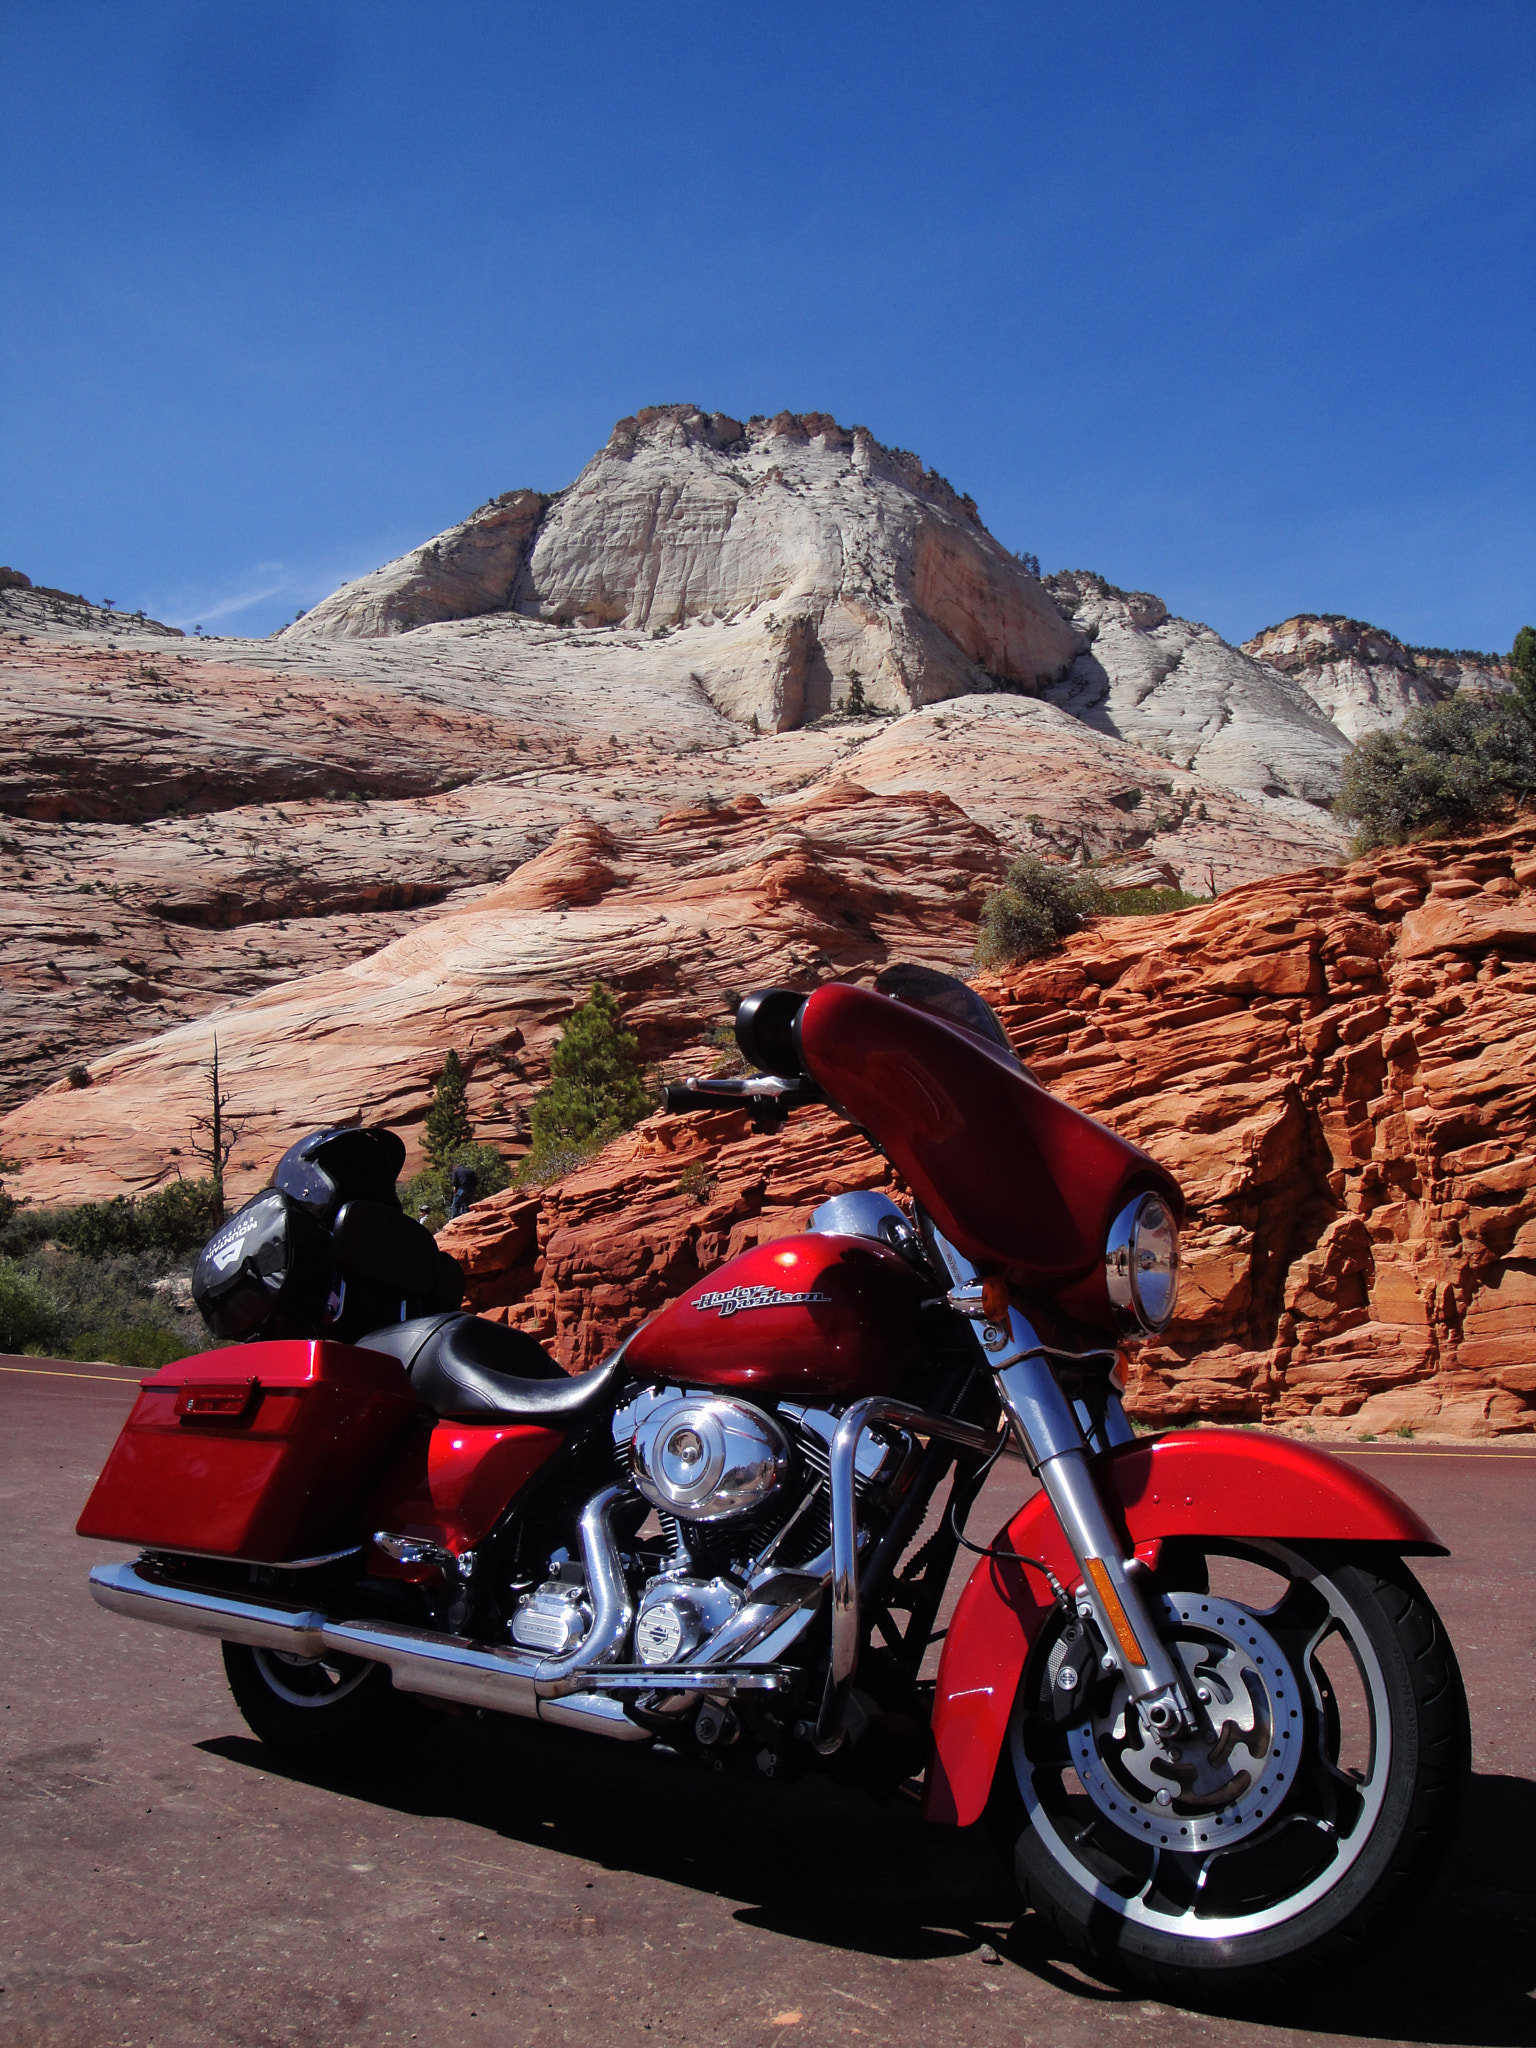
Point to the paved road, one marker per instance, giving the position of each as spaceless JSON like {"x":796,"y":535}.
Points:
{"x":163,"y":1882}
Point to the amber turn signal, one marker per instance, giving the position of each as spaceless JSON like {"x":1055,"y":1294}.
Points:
{"x":994,"y":1299}
{"x":1115,"y":1614}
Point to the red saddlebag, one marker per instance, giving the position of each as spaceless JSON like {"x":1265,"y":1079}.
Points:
{"x":261,"y":1451}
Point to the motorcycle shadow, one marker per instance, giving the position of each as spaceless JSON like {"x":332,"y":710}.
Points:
{"x":1459,"y":1972}
{"x":1462,"y":1968}
{"x":816,"y":1860}
{"x":827,"y":1864}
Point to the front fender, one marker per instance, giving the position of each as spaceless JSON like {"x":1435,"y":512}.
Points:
{"x":1211,"y":1482}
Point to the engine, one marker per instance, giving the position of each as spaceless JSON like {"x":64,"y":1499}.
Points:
{"x":740,"y":1499}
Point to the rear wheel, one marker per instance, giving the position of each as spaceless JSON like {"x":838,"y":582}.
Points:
{"x":327,"y":1713}
{"x":1304,"y":1818}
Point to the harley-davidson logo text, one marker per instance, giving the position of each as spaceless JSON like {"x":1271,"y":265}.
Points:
{"x":730,"y":1299}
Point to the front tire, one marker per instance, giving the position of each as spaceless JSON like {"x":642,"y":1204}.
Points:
{"x":1305,"y":1821}
{"x":329,"y":1713}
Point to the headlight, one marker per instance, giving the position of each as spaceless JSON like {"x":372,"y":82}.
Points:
{"x":1141,"y":1264}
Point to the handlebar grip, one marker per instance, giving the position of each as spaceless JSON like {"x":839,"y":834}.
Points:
{"x":679,"y":1096}
{"x":767,"y":1095}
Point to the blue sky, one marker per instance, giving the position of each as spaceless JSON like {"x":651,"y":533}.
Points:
{"x":1230,"y":302}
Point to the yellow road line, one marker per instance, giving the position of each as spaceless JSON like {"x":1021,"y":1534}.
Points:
{"x":46,"y":1372}
{"x":1408,"y":1451}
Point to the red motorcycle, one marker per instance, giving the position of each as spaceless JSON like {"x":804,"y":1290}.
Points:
{"x":1192,"y":1684}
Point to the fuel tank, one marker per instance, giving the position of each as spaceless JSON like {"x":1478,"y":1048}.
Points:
{"x":832,"y":1318}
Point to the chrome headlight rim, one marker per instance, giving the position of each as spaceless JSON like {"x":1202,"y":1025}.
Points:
{"x":1126,"y":1270}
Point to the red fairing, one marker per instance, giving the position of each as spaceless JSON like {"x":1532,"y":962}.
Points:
{"x":816,"y":1316}
{"x":1020,"y":1182}
{"x":451,"y":1484}
{"x":1211,"y":1483}
{"x":258,"y":1452}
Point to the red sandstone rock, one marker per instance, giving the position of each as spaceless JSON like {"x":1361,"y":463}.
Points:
{"x":1350,"y":1115}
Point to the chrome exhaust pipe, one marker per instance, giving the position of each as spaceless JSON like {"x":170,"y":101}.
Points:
{"x":420,"y":1661}
{"x":127,"y":1589}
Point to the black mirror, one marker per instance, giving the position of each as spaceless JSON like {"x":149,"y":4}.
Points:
{"x":765,"y":1030}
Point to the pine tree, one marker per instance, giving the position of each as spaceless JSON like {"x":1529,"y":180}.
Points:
{"x":448,"y":1127}
{"x":595,"y":1089}
{"x":1523,"y":661}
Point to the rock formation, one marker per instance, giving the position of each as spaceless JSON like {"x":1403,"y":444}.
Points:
{"x":1362,"y":678}
{"x":816,"y":554}
{"x":25,"y":604}
{"x":1178,"y":689}
{"x":1340,"y":1068}
{"x":715,"y":898}
{"x":185,"y":827}
{"x":598,"y":735}
{"x":470,"y":569}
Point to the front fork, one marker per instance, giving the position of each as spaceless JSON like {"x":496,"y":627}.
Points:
{"x":1051,"y":1436}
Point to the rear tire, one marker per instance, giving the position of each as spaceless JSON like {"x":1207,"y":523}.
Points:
{"x":330,"y":1713}
{"x":1308,"y":1880}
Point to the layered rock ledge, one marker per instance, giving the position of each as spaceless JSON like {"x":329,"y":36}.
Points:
{"x":1338,"y":1065}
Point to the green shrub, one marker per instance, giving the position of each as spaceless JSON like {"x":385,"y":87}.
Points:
{"x":117,"y":1308}
{"x":555,"y":1158}
{"x":1449,"y":766}
{"x":1150,"y":902}
{"x":1038,"y":905}
{"x":429,"y":1189}
{"x":595,"y":1088}
{"x":30,"y":1317}
{"x":177,"y":1219}
{"x":143,"y":1346}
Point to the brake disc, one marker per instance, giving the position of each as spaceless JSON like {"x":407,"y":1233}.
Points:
{"x":1205,"y":1790}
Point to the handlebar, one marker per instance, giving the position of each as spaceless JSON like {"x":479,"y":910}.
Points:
{"x":769,"y":1096}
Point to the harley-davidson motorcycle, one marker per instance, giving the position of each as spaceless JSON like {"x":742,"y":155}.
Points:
{"x":1192,"y":1684}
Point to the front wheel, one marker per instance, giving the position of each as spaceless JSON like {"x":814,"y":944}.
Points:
{"x":326,"y":1713}
{"x":1300,"y":1823}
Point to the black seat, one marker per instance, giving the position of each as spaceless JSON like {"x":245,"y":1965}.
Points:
{"x":465,"y":1368}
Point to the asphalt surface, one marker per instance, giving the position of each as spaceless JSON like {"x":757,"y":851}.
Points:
{"x":164,"y":1881}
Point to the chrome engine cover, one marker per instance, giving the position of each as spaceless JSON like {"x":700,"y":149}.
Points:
{"x":554,"y":1619}
{"x":677,"y":1615}
{"x":706,"y":1457}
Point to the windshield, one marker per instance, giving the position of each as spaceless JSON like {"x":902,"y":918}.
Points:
{"x":941,"y":995}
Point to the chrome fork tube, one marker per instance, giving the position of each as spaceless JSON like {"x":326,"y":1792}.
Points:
{"x":1051,"y":1436}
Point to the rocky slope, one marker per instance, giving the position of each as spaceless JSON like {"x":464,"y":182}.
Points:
{"x":676,"y":908}
{"x":1340,"y":1068}
{"x":24,"y":603}
{"x":816,"y":554}
{"x":1363,"y":679}
{"x":187,"y":826}
{"x":1178,"y":689}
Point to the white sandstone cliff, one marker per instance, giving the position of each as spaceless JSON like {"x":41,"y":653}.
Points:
{"x":810,"y":554}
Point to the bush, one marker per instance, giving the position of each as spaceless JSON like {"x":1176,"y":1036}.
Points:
{"x":1038,"y":905}
{"x":429,"y":1189}
{"x":1150,"y":902}
{"x":30,"y":1318}
{"x":143,"y":1346}
{"x":178,"y":1218}
{"x":1447,"y":767}
{"x":595,"y":1090}
{"x":554,"y":1159}
{"x":116,"y":1308}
